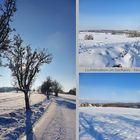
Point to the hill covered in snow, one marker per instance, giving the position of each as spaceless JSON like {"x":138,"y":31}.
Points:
{"x":109,"y":49}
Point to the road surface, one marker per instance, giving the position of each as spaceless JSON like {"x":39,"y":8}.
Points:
{"x":57,"y":123}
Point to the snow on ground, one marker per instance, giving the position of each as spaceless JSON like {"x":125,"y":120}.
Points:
{"x":68,"y":96}
{"x":47,"y":120}
{"x":14,"y":120}
{"x":13,"y":101}
{"x":109,"y":123}
{"x":107,"y":50}
{"x":58,"y":122}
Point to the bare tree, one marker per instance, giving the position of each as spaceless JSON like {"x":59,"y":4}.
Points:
{"x":72,"y":91}
{"x":46,"y":87}
{"x":7,"y":10}
{"x":57,"y":87}
{"x":25,"y":64}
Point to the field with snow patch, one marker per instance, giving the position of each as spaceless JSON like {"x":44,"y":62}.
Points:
{"x":108,"y":50}
{"x":109,"y":123}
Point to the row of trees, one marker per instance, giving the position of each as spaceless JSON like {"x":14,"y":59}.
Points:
{"x":50,"y":86}
{"x":23,"y":62}
{"x":72,"y":91}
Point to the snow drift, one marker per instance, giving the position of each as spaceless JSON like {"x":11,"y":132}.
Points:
{"x":108,"y":50}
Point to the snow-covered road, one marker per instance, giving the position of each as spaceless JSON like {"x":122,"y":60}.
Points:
{"x":57,"y":123}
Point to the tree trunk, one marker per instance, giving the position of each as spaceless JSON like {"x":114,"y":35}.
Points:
{"x":48,"y":95}
{"x":27,"y":104}
{"x":56,"y":94}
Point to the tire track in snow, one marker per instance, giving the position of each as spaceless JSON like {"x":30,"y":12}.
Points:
{"x":55,"y":129}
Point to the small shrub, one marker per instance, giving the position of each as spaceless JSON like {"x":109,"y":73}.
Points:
{"x":134,"y":34}
{"x":88,"y":37}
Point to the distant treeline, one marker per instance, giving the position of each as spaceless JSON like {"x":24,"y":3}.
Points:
{"x":71,"y":92}
{"x":130,"y":33}
{"x":8,"y":89}
{"x":127,"y":105}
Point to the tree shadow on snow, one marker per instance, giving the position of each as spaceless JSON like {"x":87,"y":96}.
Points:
{"x":28,"y":125}
{"x":13,"y":120}
{"x":87,"y":124}
{"x":132,"y":122}
{"x":19,"y":123}
{"x":66,"y":104}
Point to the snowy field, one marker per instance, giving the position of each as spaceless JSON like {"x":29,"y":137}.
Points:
{"x":69,"y":97}
{"x":107,"y":50}
{"x":14,"y":120}
{"x":100,"y":123}
{"x":13,"y":101}
{"x":16,"y":123}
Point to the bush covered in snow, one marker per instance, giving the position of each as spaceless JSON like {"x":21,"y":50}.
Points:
{"x":88,"y":37}
{"x":134,"y":34}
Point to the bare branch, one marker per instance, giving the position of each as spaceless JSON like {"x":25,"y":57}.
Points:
{"x":25,"y":63}
{"x":7,"y":10}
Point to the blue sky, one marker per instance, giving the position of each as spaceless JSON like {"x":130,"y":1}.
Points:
{"x":110,"y":86}
{"x":48,"y":24}
{"x":109,"y":14}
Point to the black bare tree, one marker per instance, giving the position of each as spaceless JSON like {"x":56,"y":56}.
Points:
{"x":57,"y":87}
{"x":72,"y":91}
{"x":7,"y":9}
{"x":25,"y":64}
{"x":46,"y":87}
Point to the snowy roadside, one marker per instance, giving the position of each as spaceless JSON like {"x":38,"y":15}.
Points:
{"x":68,"y":97}
{"x":18,"y":122}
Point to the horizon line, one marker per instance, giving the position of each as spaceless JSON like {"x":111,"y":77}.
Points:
{"x":110,"y":29}
{"x":108,"y":101}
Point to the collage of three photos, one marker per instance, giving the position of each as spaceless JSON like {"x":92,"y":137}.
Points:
{"x":69,"y":70}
